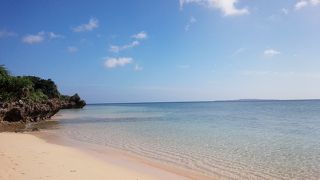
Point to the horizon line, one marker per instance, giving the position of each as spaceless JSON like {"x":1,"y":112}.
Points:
{"x":203,"y":101}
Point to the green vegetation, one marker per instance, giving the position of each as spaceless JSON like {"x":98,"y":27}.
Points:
{"x":3,"y":71}
{"x":28,"y":88}
{"x":47,"y":87}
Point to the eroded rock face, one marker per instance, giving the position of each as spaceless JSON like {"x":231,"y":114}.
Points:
{"x":73,"y":102}
{"x":14,"y":115}
{"x":28,"y":112}
{"x":21,"y":111}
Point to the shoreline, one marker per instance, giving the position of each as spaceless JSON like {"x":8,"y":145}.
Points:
{"x":27,"y":156}
{"x":106,"y":153}
{"x":121,"y":157}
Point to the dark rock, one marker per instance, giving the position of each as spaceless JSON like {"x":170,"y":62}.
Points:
{"x":21,"y":111}
{"x":14,"y":115}
{"x":75,"y":98}
{"x":73,"y":102}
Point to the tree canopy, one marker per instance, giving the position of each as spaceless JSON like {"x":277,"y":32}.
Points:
{"x":25,"y":87}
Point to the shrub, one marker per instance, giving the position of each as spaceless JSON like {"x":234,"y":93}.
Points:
{"x":48,"y":87}
{"x":3,"y":71}
{"x":37,"y":96}
{"x":26,"y":87}
{"x":14,"y":87}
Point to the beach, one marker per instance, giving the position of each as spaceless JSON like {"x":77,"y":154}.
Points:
{"x":25,"y":156}
{"x":176,"y":89}
{"x":200,"y":140}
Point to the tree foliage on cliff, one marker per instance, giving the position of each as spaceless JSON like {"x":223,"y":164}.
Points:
{"x":25,"y":87}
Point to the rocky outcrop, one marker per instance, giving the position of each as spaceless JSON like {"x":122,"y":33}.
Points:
{"x":21,"y":111}
{"x":26,"y":99}
{"x":73,"y":102}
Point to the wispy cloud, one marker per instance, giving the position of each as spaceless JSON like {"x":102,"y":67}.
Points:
{"x":40,"y":37}
{"x":72,"y":49}
{"x":141,"y":35}
{"x":184,"y":66}
{"x":5,"y":33}
{"x":53,"y":35}
{"x":314,"y":75}
{"x":111,"y":62}
{"x":91,"y":25}
{"x":137,"y":67}
{"x":300,"y":5}
{"x":138,"y":37}
{"x":271,"y":52}
{"x":34,"y":38}
{"x":304,"y":3}
{"x":116,"y":49}
{"x":285,"y":11}
{"x":227,"y":7}
{"x":238,"y":51}
{"x":191,"y":21}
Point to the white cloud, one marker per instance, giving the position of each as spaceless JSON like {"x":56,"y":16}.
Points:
{"x":40,"y":37}
{"x":5,"y":33}
{"x":271,"y":52}
{"x":227,"y":7}
{"x":116,"y":49}
{"x":138,"y":68}
{"x":301,"y":4}
{"x":92,"y":24}
{"x":34,"y":38}
{"x":141,"y":35}
{"x":315,"y":2}
{"x":53,"y":35}
{"x":111,"y":62}
{"x":191,"y":21}
{"x":72,"y":49}
{"x":304,"y":3}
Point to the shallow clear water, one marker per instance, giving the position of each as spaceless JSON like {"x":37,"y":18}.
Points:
{"x":240,"y":140}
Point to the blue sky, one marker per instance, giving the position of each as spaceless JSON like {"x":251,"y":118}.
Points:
{"x":168,"y":50}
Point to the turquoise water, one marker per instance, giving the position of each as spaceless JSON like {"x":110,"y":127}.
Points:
{"x":240,"y":140}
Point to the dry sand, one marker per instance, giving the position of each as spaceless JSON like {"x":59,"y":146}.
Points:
{"x":25,"y":156}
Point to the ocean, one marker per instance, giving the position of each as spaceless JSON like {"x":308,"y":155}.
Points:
{"x":232,"y":139}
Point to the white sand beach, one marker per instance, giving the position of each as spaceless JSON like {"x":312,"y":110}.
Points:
{"x":25,"y":156}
